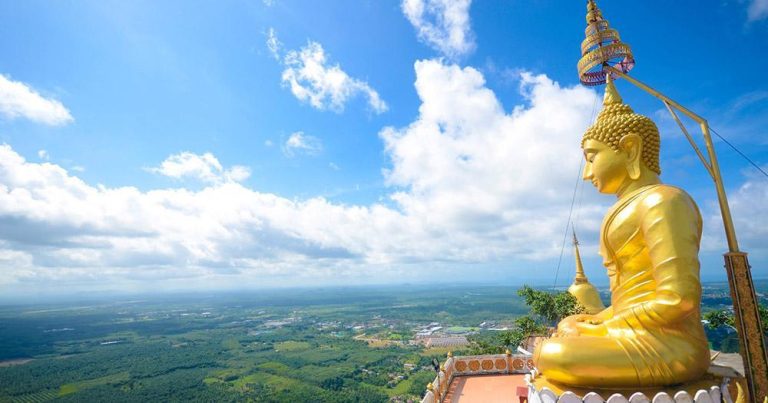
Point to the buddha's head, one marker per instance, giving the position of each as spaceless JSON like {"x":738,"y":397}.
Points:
{"x":621,"y":146}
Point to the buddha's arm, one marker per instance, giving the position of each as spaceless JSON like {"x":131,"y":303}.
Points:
{"x":671,"y":226}
{"x":605,"y":314}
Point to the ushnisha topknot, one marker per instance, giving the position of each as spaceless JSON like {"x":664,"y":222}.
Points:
{"x":617,"y":120}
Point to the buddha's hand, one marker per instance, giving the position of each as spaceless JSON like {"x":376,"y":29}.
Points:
{"x":566,"y":330}
{"x":578,"y":325}
{"x":592,"y":327}
{"x":567,"y":326}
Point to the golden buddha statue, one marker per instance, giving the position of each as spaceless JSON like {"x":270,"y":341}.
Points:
{"x":651,"y":335}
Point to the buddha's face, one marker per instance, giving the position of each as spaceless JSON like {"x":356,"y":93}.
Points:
{"x":606,"y":168}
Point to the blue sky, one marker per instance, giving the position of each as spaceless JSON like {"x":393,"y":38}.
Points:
{"x":216,"y":145}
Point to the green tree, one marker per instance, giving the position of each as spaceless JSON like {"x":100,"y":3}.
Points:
{"x":719,"y":318}
{"x":529,"y":326}
{"x":550,"y":307}
{"x":420,"y":381}
{"x":724,"y":317}
{"x":546,"y":310}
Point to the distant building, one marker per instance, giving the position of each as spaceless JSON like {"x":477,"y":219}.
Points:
{"x":427,"y":331}
{"x":451,"y":341}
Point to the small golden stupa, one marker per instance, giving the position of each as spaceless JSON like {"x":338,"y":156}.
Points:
{"x":582,"y":289}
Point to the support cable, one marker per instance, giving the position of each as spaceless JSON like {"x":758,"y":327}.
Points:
{"x":573,"y":200}
{"x":568,"y":223}
{"x":740,"y":153}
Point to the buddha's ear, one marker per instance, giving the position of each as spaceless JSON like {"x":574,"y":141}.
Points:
{"x":632,"y":144}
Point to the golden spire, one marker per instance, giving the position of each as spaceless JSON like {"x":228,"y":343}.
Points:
{"x":611,"y":96}
{"x":602,"y":46}
{"x":593,"y":13}
{"x":580,"y":278}
{"x":582,"y":289}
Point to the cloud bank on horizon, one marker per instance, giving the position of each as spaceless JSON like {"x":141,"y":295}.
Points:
{"x":467,"y":182}
{"x":459,"y":195}
{"x":471,"y":183}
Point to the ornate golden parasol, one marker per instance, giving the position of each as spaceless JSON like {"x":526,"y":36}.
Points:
{"x":601,"y":47}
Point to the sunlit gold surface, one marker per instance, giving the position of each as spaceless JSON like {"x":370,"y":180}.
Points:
{"x":753,"y":348}
{"x":651,"y":335}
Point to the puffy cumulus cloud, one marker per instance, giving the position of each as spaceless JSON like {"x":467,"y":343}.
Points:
{"x":205,"y":167}
{"x":490,"y":183}
{"x":300,"y":143}
{"x":313,"y":79}
{"x":471,"y":184}
{"x":18,"y":100}
{"x":757,"y":10}
{"x":442,"y":24}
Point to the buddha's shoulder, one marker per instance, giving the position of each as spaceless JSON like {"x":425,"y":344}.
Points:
{"x":665,"y":195}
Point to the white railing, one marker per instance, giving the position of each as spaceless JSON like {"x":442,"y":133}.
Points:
{"x":715,"y":394}
{"x":476,"y":365}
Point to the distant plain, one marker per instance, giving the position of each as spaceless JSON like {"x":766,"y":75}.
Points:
{"x":325,"y":345}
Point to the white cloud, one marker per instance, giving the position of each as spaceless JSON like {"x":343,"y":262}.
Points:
{"x":758,"y":9}
{"x":750,"y":216}
{"x":237,"y":173}
{"x":479,"y":176}
{"x":311,"y":78}
{"x":43,"y":155}
{"x":442,"y":24}
{"x":750,"y":213}
{"x":300,"y":143}
{"x":205,"y":167}
{"x":273,"y":44}
{"x":470,"y":184}
{"x":19,"y":100}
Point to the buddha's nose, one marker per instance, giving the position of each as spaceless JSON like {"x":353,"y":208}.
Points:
{"x":587,"y":171}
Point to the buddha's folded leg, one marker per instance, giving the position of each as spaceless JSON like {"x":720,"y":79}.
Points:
{"x":586,"y":361}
